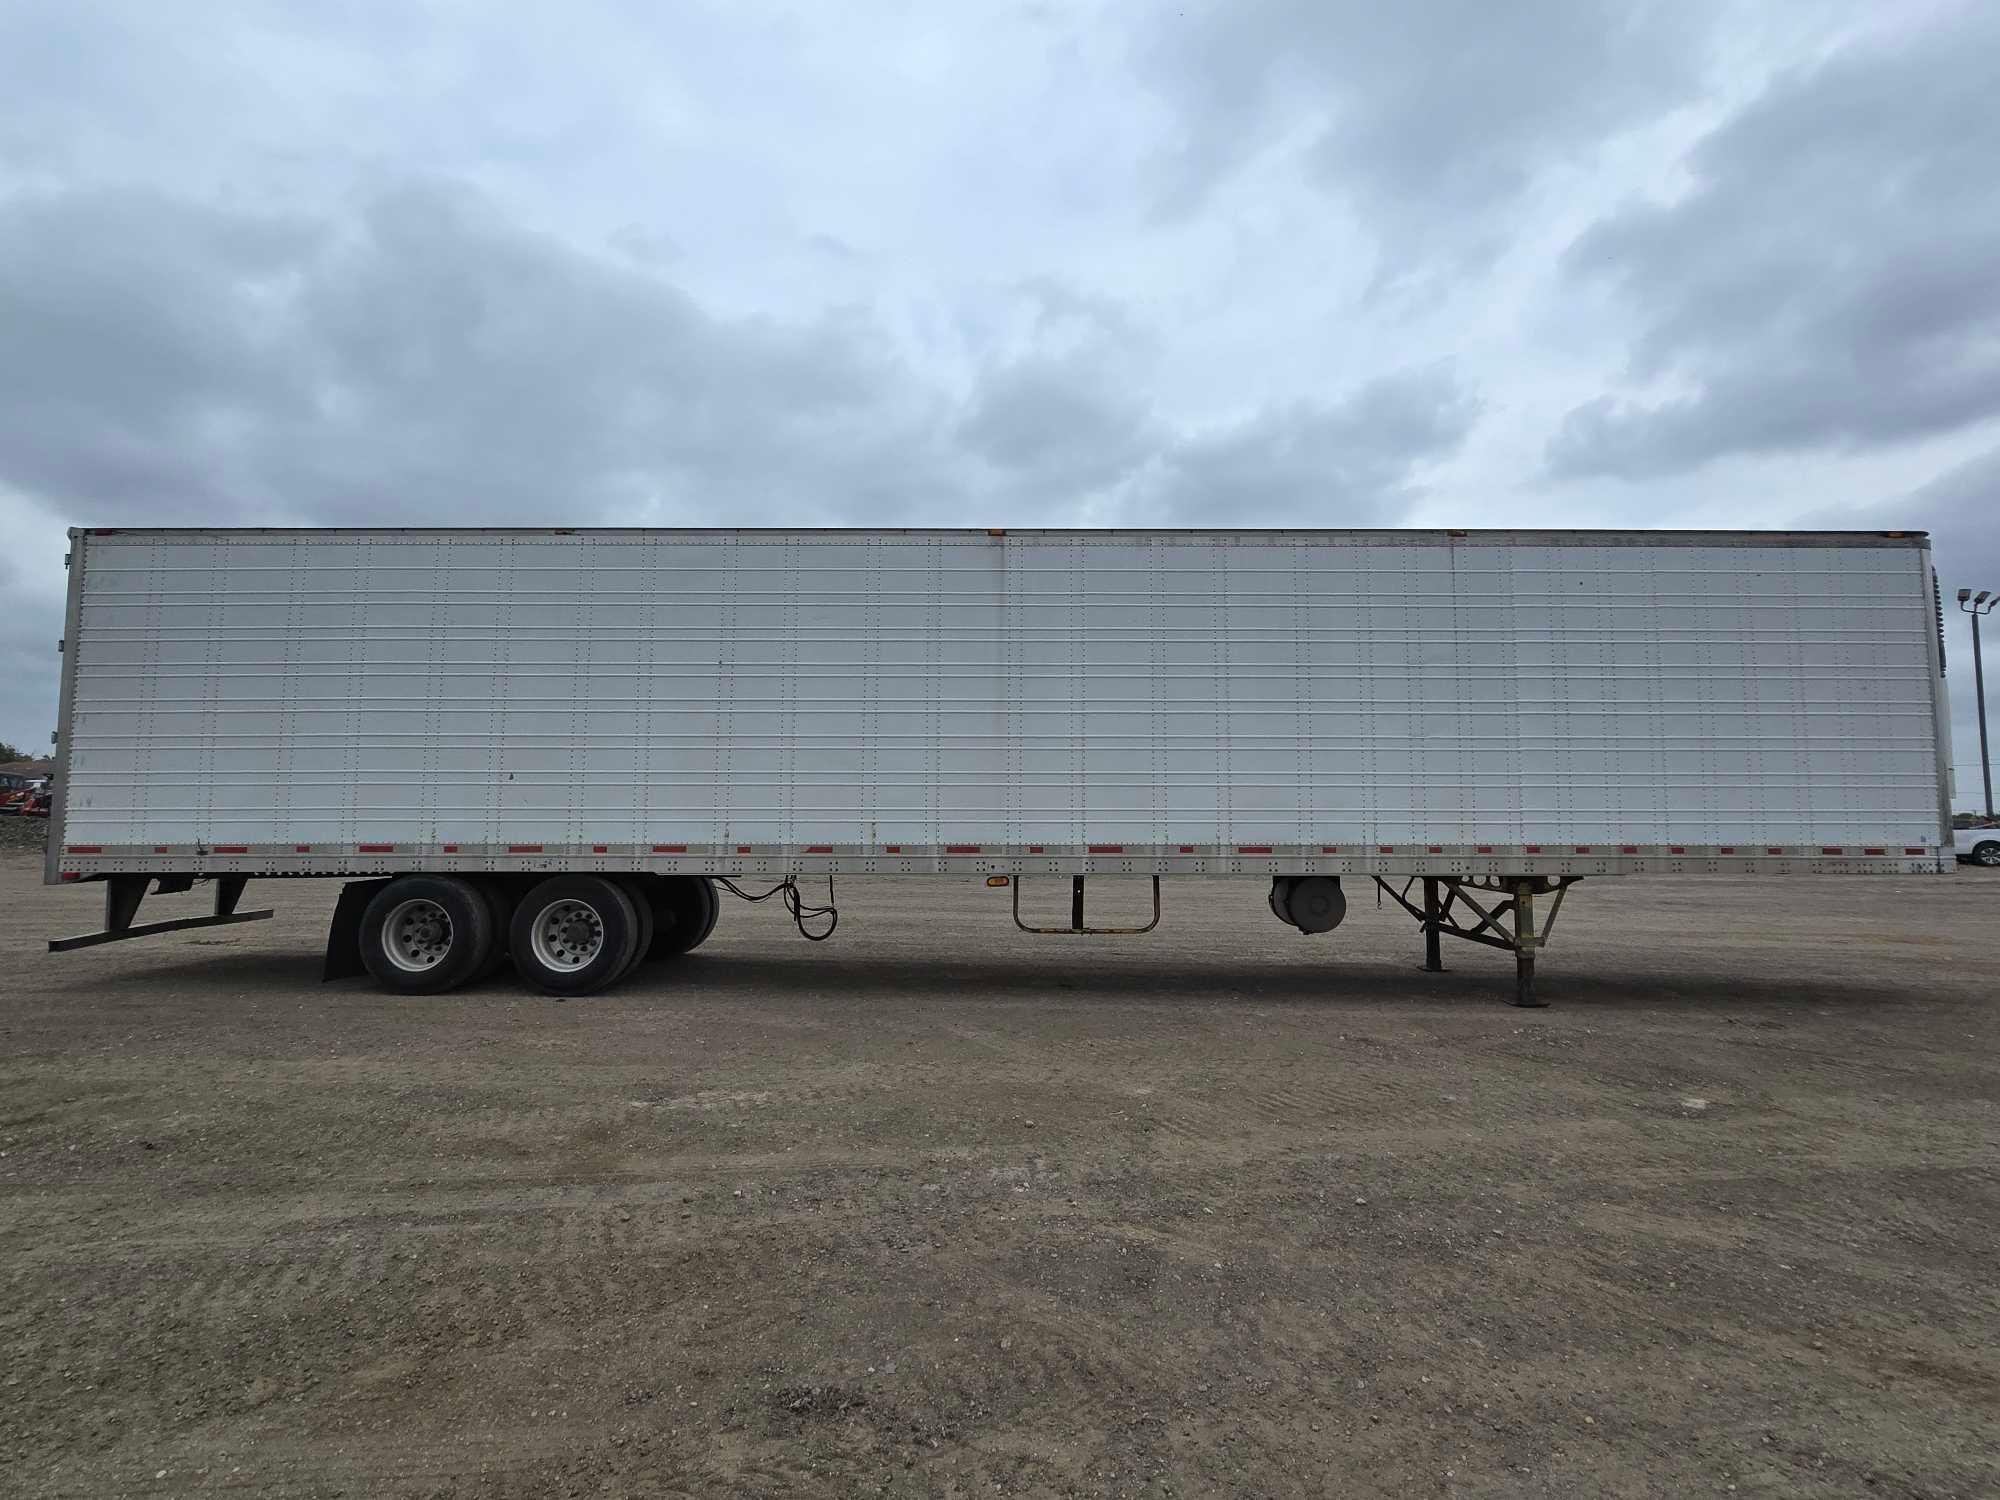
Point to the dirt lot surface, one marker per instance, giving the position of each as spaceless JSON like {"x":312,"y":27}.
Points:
{"x":19,"y":834}
{"x":936,"y":1209}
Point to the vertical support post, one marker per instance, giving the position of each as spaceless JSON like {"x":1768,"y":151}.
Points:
{"x":1524,"y":944}
{"x":1076,"y":903}
{"x":122,"y":895}
{"x":228,"y":891}
{"x":1433,"y":959}
{"x":1979,"y":693}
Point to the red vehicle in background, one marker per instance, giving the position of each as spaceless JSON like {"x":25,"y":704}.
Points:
{"x":37,"y":803}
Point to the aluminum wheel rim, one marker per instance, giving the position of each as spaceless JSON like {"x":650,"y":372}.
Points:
{"x":417,"y":936}
{"x":567,"y":935}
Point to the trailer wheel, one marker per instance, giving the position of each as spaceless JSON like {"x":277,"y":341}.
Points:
{"x":573,"y":934}
{"x":642,"y":910}
{"x":500,"y":904}
{"x":684,"y":912}
{"x":425,"y":934}
{"x":714,"y":908}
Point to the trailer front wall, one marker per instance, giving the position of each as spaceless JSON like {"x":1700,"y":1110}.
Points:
{"x":323,"y":699}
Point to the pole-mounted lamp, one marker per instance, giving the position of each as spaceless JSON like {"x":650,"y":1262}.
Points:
{"x":1978,"y":606}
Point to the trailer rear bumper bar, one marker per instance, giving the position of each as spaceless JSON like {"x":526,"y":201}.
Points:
{"x":123,"y":893}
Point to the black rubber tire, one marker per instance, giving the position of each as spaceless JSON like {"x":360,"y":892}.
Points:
{"x":684,"y":911}
{"x":499,"y":901}
{"x":473,"y":936}
{"x":637,"y":889}
{"x":1281,"y":890}
{"x":614,"y":911}
{"x":1986,"y":853}
{"x":714,"y":899}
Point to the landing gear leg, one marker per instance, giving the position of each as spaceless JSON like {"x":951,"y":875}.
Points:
{"x":1524,"y":945}
{"x":1450,"y":908}
{"x":1433,"y":959}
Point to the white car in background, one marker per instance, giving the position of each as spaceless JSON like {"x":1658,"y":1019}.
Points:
{"x":1977,"y":846}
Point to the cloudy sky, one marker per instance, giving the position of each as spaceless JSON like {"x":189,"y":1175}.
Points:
{"x":1098,"y":262}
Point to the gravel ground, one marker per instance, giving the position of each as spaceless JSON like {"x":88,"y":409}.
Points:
{"x":19,"y":835}
{"x":932,"y":1209}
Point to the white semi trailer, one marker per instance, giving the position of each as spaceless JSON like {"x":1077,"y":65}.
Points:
{"x":551,"y":746}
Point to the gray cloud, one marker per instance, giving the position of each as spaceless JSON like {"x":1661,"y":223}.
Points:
{"x":1064,"y":406}
{"x":129,"y":333}
{"x":425,"y":358}
{"x":1428,"y":115}
{"x":1830,"y":280}
{"x":1351,"y":462}
{"x":1058,"y":422}
{"x":29,"y":627}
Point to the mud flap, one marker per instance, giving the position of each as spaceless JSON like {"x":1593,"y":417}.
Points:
{"x":343,"y":936}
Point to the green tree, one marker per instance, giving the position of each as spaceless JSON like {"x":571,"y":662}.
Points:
{"x":8,"y":752}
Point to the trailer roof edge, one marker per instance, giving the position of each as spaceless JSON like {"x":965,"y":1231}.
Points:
{"x":1376,"y":536}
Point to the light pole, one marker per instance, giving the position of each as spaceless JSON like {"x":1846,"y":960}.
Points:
{"x":1977,"y":605}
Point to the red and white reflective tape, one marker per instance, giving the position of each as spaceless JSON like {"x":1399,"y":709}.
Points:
{"x":1419,"y":857}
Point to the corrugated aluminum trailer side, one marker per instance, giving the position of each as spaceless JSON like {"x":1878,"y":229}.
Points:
{"x":1476,"y":709}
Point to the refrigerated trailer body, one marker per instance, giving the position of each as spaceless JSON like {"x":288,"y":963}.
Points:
{"x":1482,"y":711}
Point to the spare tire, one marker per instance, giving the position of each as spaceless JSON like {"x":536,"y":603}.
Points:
{"x":1311,"y":903}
